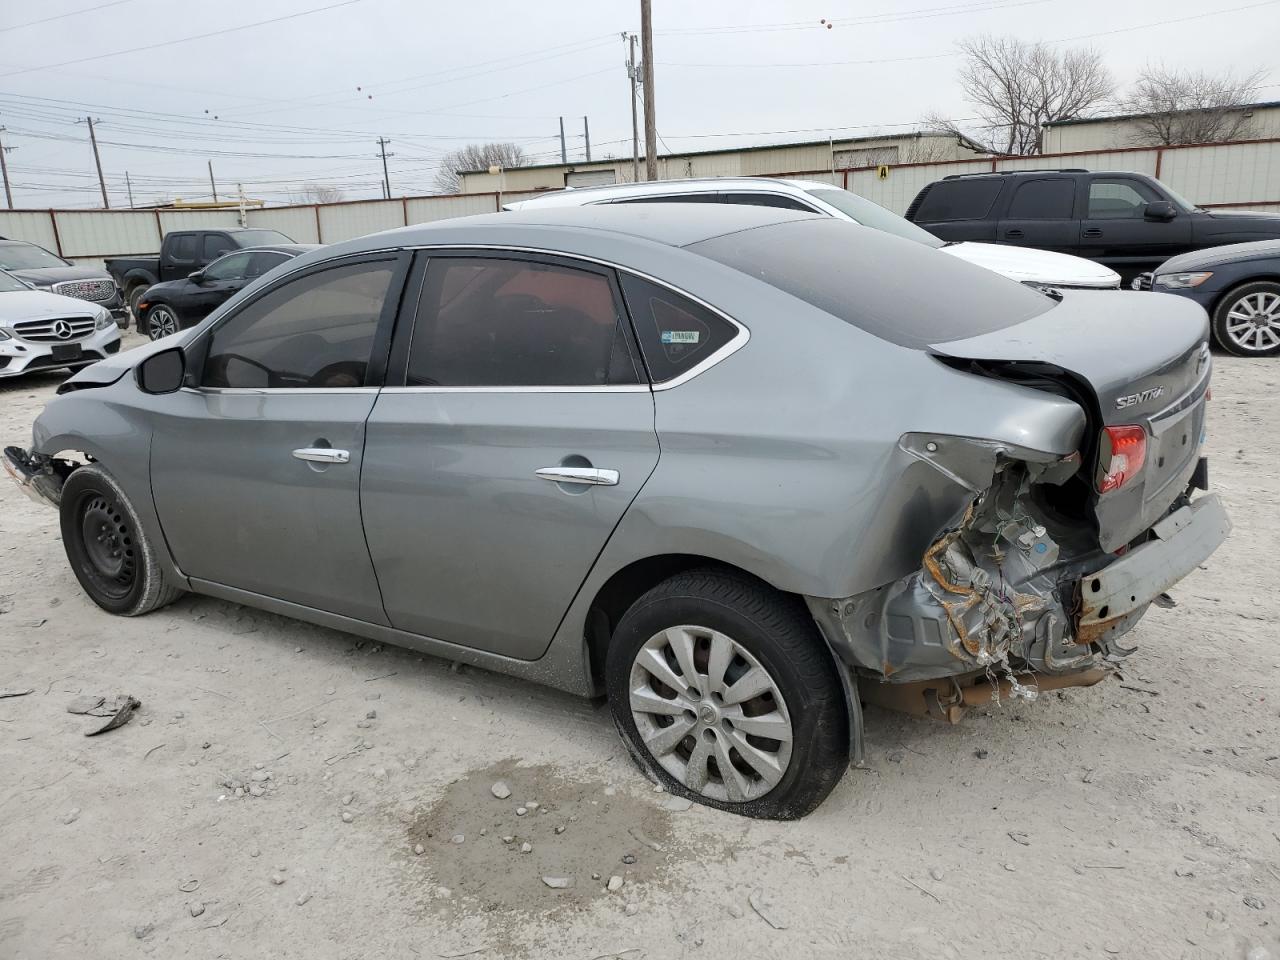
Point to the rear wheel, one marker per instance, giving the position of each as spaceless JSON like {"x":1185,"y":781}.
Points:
{"x":109,"y":551}
{"x":1247,"y":321}
{"x":161,"y":321}
{"x":725,"y":693}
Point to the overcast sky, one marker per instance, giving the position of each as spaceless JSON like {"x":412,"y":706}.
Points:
{"x":302,"y":100}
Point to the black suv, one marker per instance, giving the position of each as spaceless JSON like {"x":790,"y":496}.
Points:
{"x":1129,"y":222}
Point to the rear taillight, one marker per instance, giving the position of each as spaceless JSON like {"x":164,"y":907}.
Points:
{"x":1122,"y":452}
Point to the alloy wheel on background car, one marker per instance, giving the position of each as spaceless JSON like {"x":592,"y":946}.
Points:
{"x":161,"y":322}
{"x":710,"y":714}
{"x":1247,"y":321}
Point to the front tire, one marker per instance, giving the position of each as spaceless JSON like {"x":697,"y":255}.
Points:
{"x":1247,"y":321}
{"x":107,"y":547}
{"x":725,"y":693}
{"x":161,"y":321}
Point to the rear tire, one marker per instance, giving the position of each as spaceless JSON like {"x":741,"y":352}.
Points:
{"x":750,"y":683}
{"x":1247,"y":320}
{"x":107,"y":546}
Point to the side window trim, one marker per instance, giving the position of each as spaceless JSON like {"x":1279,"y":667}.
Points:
{"x":197,"y":349}
{"x":398,"y":365}
{"x":396,"y":376}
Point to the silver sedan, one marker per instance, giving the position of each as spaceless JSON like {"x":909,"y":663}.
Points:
{"x":739,"y":469}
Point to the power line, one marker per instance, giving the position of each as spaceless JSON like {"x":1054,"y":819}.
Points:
{"x":199,"y":36}
{"x":63,"y":16}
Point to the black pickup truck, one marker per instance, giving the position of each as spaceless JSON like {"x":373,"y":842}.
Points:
{"x":182,"y":252}
{"x":1129,"y":222}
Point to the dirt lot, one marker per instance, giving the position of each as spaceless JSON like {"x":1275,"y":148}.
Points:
{"x":1139,"y":818}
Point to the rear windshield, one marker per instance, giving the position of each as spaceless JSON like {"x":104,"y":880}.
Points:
{"x":958,"y":200}
{"x":897,"y":290}
{"x":260,"y":238}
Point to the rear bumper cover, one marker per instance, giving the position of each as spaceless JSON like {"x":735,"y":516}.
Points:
{"x":1181,"y":542}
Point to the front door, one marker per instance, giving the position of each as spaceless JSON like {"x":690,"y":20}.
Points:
{"x":219,"y":281}
{"x":256,"y":466}
{"x":1117,"y":233}
{"x":524,"y":429}
{"x":1041,"y":215}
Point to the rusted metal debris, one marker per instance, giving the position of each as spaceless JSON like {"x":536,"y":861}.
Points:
{"x":950,"y":698}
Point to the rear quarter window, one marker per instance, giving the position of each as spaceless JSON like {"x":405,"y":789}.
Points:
{"x":958,"y":200}
{"x":895,"y":289}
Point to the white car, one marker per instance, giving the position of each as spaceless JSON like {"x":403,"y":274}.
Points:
{"x":42,"y":331}
{"x":1042,"y":267}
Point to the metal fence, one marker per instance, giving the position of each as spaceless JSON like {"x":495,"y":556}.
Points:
{"x":1246,"y":173}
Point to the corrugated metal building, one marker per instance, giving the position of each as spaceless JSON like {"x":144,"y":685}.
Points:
{"x":772,"y":159}
{"x":1109,"y":133}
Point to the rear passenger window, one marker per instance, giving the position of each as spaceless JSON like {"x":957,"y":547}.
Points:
{"x":958,"y":200}
{"x":1043,"y":200}
{"x":491,"y":322}
{"x":184,"y":247}
{"x":675,"y":333}
{"x":766,"y":200}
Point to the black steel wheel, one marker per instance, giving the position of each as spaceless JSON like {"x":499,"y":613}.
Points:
{"x":107,"y":546}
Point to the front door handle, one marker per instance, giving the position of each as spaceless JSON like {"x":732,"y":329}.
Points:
{"x":322,"y":455}
{"x":588,"y":475}
{"x":1092,"y":233}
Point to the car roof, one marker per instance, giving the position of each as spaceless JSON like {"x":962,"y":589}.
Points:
{"x":580,"y":196}
{"x":670,"y":224}
{"x":296,"y":249}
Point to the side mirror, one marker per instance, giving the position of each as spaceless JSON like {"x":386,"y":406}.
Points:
{"x":196,"y":275}
{"x":162,"y":372}
{"x":1160,"y":210}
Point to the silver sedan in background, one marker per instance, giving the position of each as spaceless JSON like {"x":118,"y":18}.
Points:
{"x":739,"y":469}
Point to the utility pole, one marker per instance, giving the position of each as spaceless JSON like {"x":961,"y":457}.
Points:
{"x":630,"y":40}
{"x":106,"y":204}
{"x":128,"y":185}
{"x":586,"y":136}
{"x":650,"y":119}
{"x":386,"y":177}
{"x":4,"y":168}
{"x":212,"y":186}
{"x":564,"y":156}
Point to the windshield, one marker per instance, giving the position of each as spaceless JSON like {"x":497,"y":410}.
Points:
{"x":260,"y":238}
{"x":10,"y":284}
{"x":27,"y":256}
{"x":875,"y":216}
{"x":1178,"y":198}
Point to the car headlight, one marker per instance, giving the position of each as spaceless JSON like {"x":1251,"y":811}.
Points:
{"x":1182,"y":281}
{"x":103,"y":320}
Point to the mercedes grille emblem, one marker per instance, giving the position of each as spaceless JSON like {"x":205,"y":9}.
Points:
{"x":62,"y":330}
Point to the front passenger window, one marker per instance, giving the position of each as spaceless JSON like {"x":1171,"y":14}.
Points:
{"x":316,"y":331}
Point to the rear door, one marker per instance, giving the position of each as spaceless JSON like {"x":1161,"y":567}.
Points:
{"x":179,"y":255}
{"x":1116,"y":232}
{"x":1040,"y":213}
{"x":522,"y":429}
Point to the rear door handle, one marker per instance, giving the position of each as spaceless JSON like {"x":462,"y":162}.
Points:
{"x":588,"y":475}
{"x":322,"y":455}
{"x":1014,"y":234}
{"x":1093,"y":233}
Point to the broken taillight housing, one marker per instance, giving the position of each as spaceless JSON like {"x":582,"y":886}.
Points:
{"x":1122,"y":452}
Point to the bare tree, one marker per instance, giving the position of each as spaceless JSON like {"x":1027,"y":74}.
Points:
{"x":1190,"y":106}
{"x":476,"y":156}
{"x":321,"y":193}
{"x":1016,"y":87}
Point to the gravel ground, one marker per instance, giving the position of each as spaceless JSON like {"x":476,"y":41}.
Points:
{"x":1139,"y":818}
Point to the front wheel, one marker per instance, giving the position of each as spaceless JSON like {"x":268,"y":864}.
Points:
{"x":161,"y":321}
{"x":107,"y":547}
{"x":1247,"y":321}
{"x":725,"y":693}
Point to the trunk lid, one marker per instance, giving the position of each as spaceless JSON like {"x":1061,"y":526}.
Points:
{"x":1133,"y":358}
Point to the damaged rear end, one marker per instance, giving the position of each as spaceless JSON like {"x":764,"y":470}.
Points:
{"x":1054,"y":557}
